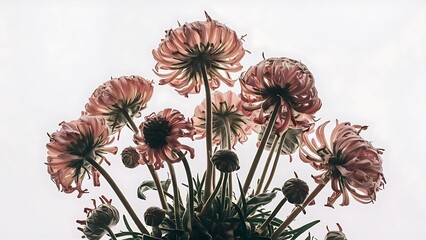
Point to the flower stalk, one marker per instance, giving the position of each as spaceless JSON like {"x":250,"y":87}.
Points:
{"x":120,"y":195}
{"x":190,"y":187}
{"x":176,"y":194}
{"x":272,"y":216}
{"x":207,"y":205}
{"x":299,"y":209}
{"x":274,"y":166}
{"x":130,"y":121}
{"x":159,"y":187}
{"x":268,"y":162}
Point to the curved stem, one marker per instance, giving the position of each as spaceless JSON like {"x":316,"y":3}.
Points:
{"x":120,"y":195}
{"x":272,"y":216}
{"x":111,"y":233}
{"x":206,"y":206}
{"x":298,"y":209}
{"x":131,"y":122}
{"x":176,"y":196}
{"x":159,"y":187}
{"x":265,"y":168}
{"x":190,"y":187}
{"x":259,"y":152}
{"x":274,"y":166}
{"x":209,"y":148}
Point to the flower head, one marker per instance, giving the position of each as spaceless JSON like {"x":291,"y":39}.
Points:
{"x":351,"y":163}
{"x":130,"y":157}
{"x":153,"y":216}
{"x":99,"y":219}
{"x":195,"y":47}
{"x":226,"y":161}
{"x":295,"y":190}
{"x":226,"y":108}
{"x":158,"y":138}
{"x":335,"y":235}
{"x":71,"y":146}
{"x":119,"y":99}
{"x":279,"y":80}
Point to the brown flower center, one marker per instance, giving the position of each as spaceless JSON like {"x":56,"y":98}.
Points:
{"x":156,"y":131}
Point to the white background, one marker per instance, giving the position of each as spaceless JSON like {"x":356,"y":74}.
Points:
{"x":368,"y":59}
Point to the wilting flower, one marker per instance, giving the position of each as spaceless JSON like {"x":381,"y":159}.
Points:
{"x":295,"y":190}
{"x":335,"y":235}
{"x":226,"y":109}
{"x":99,"y":219}
{"x":119,"y":99}
{"x":202,"y":46}
{"x":351,"y":163}
{"x":71,"y":146}
{"x":158,"y":138}
{"x":226,"y":161}
{"x":279,"y":80}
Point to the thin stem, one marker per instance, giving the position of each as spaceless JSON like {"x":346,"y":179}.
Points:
{"x":274,"y":166}
{"x":223,"y":195}
{"x":159,"y":187}
{"x":130,"y":121}
{"x":259,"y":152}
{"x":209,"y":148}
{"x":298,"y":209}
{"x":120,"y":195}
{"x":227,"y":137}
{"x":206,"y":206}
{"x":176,"y":196}
{"x":272,"y":216}
{"x":190,"y":188}
{"x":265,"y":168}
{"x":111,"y":233}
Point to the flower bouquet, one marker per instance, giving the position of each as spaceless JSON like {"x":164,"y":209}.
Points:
{"x":278,"y":101}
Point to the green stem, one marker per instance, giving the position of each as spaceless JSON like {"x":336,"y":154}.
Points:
{"x":229,"y":146}
{"x":272,"y":216}
{"x":130,"y":121}
{"x":298,"y":209}
{"x":265,"y":168}
{"x":223,"y":195}
{"x":206,"y":206}
{"x":111,"y":233}
{"x":259,"y":152}
{"x":190,"y":187}
{"x":120,"y":195}
{"x":274,"y":166}
{"x":176,"y":196}
{"x":209,"y":148}
{"x":159,"y":187}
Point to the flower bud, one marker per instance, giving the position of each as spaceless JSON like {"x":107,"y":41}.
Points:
{"x":335,"y":235}
{"x":226,"y":161}
{"x":130,"y":157}
{"x":154,"y":216}
{"x":295,"y":190}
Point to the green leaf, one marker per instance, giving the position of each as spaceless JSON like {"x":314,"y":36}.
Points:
{"x":259,"y":200}
{"x":243,"y":199}
{"x":242,"y":220}
{"x":150,"y":185}
{"x":147,"y":237}
{"x":297,"y":232}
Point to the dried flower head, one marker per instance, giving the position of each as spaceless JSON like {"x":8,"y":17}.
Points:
{"x":71,"y":146}
{"x":154,"y":216}
{"x":335,"y":235}
{"x":120,"y":99}
{"x":226,"y":161}
{"x":295,"y":190}
{"x":279,"y":80}
{"x":99,"y":219}
{"x":351,"y":163}
{"x":130,"y":157}
{"x":159,"y":135}
{"x":227,"y":112}
{"x":199,"y":47}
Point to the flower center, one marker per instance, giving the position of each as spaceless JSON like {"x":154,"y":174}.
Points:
{"x":156,"y":131}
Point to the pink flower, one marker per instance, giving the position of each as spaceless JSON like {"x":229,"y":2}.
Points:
{"x":351,"y":163}
{"x":120,"y":98}
{"x":158,"y":138}
{"x":226,"y":109}
{"x":71,"y":146}
{"x":186,"y":51}
{"x":279,"y":80}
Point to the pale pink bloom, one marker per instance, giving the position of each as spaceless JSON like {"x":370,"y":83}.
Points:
{"x":184,"y":51}
{"x":279,"y":80}
{"x":226,"y":108}
{"x":71,"y":146}
{"x":119,"y":96}
{"x":351,"y":163}
{"x":158,"y":138}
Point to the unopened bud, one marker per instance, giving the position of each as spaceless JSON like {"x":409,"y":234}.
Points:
{"x":295,"y":190}
{"x":335,"y":235}
{"x":226,"y":161}
{"x":130,"y":157}
{"x":154,"y":216}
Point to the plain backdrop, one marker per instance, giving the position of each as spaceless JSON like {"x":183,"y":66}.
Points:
{"x":367,"y":58}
